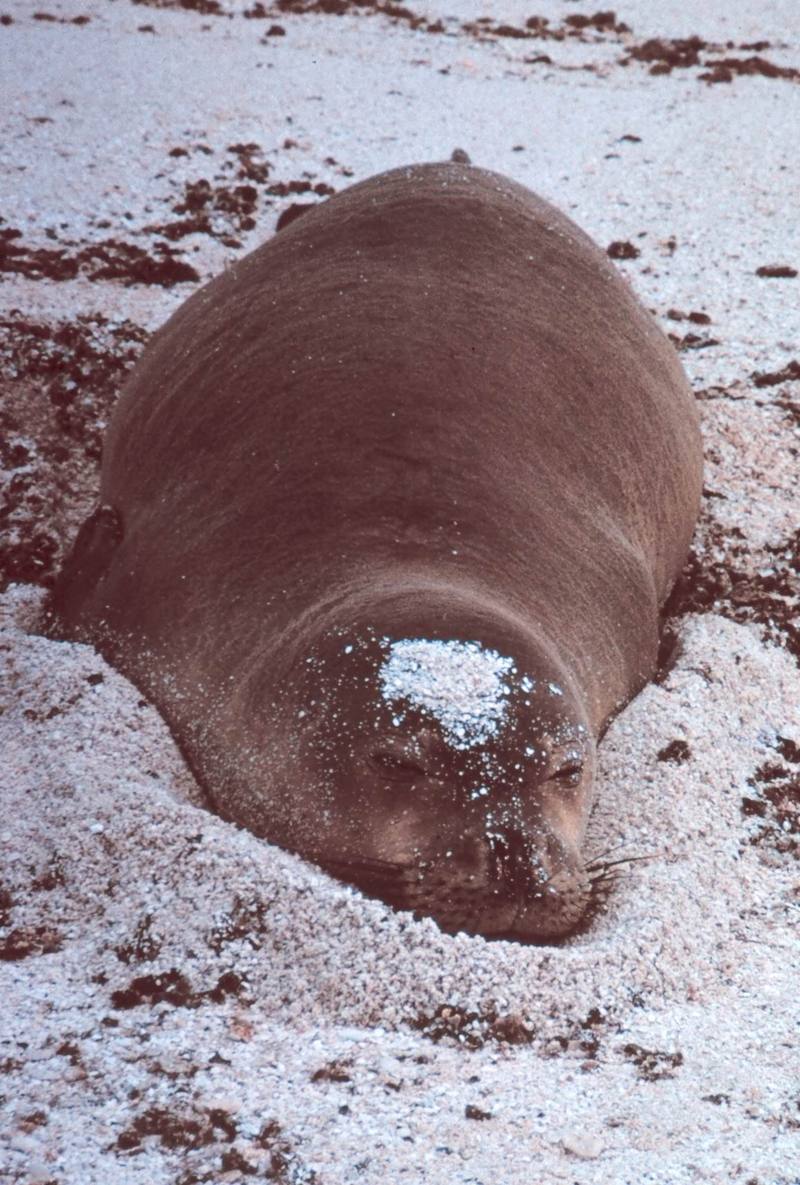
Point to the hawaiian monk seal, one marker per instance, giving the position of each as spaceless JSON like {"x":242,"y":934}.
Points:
{"x":389,"y":510}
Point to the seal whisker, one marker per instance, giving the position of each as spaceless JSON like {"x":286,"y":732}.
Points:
{"x":598,"y":857}
{"x":374,"y":877}
{"x":355,"y":873}
{"x":597,"y":883}
{"x":611,"y":870}
{"x":600,"y":889}
{"x":604,"y":864}
{"x":602,"y":855}
{"x":366,"y":863}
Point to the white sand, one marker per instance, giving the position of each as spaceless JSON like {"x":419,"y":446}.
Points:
{"x":660,"y":1047}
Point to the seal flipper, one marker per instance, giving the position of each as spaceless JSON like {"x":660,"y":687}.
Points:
{"x":90,"y":558}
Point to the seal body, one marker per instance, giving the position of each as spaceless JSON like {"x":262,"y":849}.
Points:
{"x":389,"y":511}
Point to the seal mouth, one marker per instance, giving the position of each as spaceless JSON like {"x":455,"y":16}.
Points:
{"x":502,"y":900}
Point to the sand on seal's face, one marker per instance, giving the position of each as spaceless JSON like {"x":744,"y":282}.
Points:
{"x":459,"y":684}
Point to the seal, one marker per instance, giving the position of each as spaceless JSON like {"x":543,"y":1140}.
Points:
{"x":389,"y":511}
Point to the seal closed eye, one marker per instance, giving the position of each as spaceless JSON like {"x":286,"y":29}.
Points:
{"x":568,"y":773}
{"x":388,"y":513}
{"x":397,"y":765}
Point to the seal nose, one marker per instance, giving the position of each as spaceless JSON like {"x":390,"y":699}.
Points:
{"x":510,"y":861}
{"x":545,"y":880}
{"x":558,"y":892}
{"x":550,"y":857}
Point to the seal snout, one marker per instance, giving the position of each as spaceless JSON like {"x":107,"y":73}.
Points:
{"x":550,"y":889}
{"x":500,"y":885}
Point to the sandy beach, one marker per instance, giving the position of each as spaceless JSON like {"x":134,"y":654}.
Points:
{"x":182,"y":1002}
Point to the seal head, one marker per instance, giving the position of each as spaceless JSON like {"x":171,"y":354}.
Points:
{"x":442,"y":761}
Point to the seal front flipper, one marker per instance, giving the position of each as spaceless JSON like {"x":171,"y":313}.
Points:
{"x":84,"y":567}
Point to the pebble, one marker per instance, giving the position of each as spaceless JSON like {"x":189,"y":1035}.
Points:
{"x":582,"y":1144}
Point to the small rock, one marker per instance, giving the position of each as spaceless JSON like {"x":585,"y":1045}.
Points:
{"x":225,"y":1103}
{"x":582,"y":1144}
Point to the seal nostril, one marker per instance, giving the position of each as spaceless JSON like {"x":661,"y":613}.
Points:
{"x":556,"y":855}
{"x":499,"y":853}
